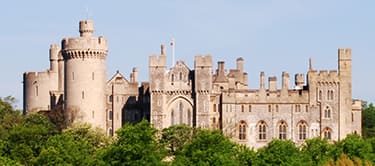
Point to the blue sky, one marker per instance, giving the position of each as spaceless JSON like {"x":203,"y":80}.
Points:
{"x":272,"y":36}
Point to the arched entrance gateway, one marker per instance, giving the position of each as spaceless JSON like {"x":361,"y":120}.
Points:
{"x":180,"y":111}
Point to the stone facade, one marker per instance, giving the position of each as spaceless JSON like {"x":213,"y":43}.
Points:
{"x":319,"y":104}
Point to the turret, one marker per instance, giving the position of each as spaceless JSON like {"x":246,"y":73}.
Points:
{"x":85,"y":76}
{"x":53,"y":56}
{"x":239,"y":63}
{"x":345,"y":93}
{"x":262,"y":81}
{"x":272,"y":83}
{"x":134,"y":75}
{"x":285,"y":82}
{"x":299,"y":80}
{"x":203,"y":87}
{"x":86,"y":28}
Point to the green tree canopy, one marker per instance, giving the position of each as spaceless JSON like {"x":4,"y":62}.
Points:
{"x":211,"y":148}
{"x":368,"y":120}
{"x":136,"y":145}
{"x":176,"y":136}
{"x":317,"y":151}
{"x":279,"y":152}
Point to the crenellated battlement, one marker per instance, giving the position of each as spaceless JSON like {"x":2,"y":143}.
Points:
{"x":99,"y":43}
{"x":327,"y":75}
{"x":157,"y":61}
{"x":39,"y":75}
{"x":345,"y":53}
{"x":203,"y":61}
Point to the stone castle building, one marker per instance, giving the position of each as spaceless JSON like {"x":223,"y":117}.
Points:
{"x":319,"y":104}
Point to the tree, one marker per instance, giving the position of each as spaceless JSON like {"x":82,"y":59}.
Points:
{"x":175,"y":137}
{"x":211,"y":148}
{"x":77,"y":145}
{"x":317,"y":151}
{"x":9,"y":117}
{"x":26,"y":140}
{"x":279,"y":152}
{"x":354,"y":146}
{"x":368,"y":120}
{"x":136,"y":145}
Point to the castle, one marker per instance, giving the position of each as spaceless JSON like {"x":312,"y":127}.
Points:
{"x":319,"y":104}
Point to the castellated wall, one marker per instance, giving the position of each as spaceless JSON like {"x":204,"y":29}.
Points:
{"x":319,"y":104}
{"x":37,"y":87}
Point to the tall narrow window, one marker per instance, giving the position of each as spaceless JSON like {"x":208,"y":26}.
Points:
{"x":328,"y":95}
{"x":262,"y":129}
{"x":282,"y":130}
{"x":37,"y":90}
{"x":83,"y":94}
{"x":242,"y":108}
{"x":302,"y":130}
{"x":181,"y":112}
{"x":327,"y":112}
{"x":180,"y":75}
{"x":110,"y":98}
{"x":188,"y":117}
{"x":277,"y":108}
{"x":331,"y":94}
{"x":72,"y":75}
{"x":172,"y":77}
{"x":93,"y":76}
{"x":249,"y":108}
{"x":320,"y":95}
{"x":213,"y":120}
{"x":93,"y":114}
{"x":242,"y":130}
{"x":172,"y":117}
{"x":269,"y":108}
{"x":307,"y":108}
{"x":110,"y":115}
{"x":214,"y":107}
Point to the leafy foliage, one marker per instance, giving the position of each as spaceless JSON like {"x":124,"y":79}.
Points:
{"x":317,"y":151}
{"x":279,"y":152}
{"x":211,"y":148}
{"x":368,"y":121}
{"x":136,"y":145}
{"x":175,"y":137}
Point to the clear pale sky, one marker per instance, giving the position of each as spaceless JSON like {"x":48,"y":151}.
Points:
{"x":271,"y":36}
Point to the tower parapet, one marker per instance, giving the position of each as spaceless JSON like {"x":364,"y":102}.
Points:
{"x":86,"y":28}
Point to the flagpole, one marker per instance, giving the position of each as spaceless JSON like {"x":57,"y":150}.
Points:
{"x":172,"y":44}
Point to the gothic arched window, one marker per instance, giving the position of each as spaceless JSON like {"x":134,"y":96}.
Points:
{"x":302,"y":130}
{"x":327,"y":133}
{"x":242,"y":130}
{"x":262,"y":129}
{"x":327,"y":112}
{"x":282,"y":130}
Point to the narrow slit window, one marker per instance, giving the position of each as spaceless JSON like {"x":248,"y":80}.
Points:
{"x":37,"y":90}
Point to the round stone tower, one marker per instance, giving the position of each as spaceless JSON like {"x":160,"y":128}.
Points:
{"x":85,"y":76}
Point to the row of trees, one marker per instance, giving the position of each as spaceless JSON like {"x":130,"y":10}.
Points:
{"x":34,"y":140}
